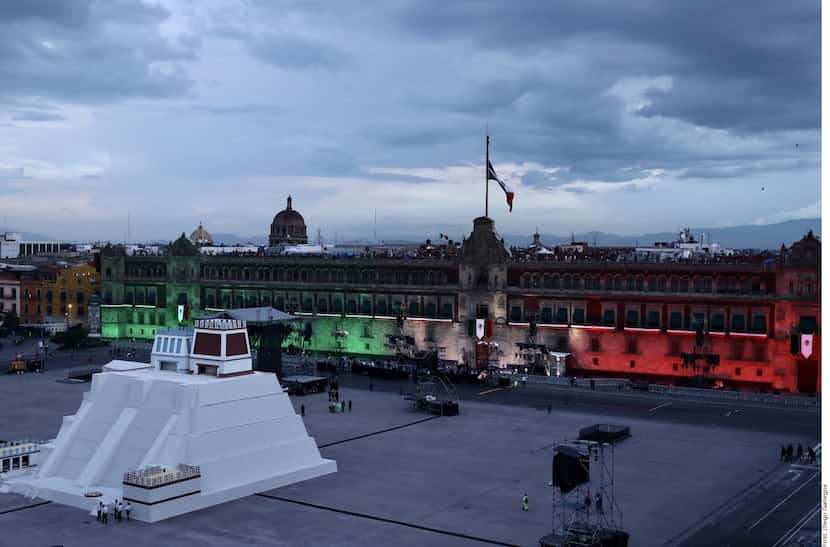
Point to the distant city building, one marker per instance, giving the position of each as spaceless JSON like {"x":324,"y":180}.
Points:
{"x":607,"y":311}
{"x":59,"y":293}
{"x":201,"y":237}
{"x":288,"y":227}
{"x":12,"y":245}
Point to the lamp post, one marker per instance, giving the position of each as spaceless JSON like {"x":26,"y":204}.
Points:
{"x":68,"y":313}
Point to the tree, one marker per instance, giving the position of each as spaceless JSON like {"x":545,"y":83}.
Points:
{"x":10,"y":321}
{"x":71,"y":338}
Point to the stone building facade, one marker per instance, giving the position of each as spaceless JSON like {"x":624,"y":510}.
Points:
{"x":613,"y":318}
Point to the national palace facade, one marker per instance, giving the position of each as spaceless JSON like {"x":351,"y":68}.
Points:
{"x":612,"y":317}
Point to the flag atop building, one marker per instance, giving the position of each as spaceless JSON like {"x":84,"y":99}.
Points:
{"x":508,"y":191}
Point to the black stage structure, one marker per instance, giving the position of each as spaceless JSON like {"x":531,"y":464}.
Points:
{"x":267,"y":328}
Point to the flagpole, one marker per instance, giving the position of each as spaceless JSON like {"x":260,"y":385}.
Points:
{"x":487,"y":177}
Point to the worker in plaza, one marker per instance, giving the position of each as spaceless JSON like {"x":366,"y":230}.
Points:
{"x":525,"y":502}
{"x":783,"y":452}
{"x":302,"y":410}
{"x":350,"y":405}
{"x":811,"y":454}
{"x":789,"y":452}
{"x":799,"y":455}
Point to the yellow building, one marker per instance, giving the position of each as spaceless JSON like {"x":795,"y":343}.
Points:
{"x":61,"y":293}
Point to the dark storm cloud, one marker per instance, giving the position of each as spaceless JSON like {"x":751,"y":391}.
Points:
{"x":719,"y":52}
{"x":87,"y":51}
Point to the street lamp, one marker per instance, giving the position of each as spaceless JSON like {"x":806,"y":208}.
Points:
{"x":68,"y":313}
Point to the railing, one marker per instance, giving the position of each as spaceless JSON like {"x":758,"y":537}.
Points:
{"x":724,"y":395}
{"x":219,"y":324}
{"x":157,"y":475}
{"x":20,"y":448}
{"x":595,"y":383}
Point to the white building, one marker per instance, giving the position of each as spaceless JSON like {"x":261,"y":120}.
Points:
{"x":175,"y":442}
{"x":13,"y":246}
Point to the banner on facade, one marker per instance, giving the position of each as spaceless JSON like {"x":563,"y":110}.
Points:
{"x":479,"y":328}
{"x":806,"y":345}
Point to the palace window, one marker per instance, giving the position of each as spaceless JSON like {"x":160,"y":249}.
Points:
{"x":414,"y":308}
{"x":653,"y":321}
{"x":351,"y":306}
{"x":482,"y":311}
{"x":738,"y":322}
{"x":547,"y":315}
{"x":366,"y":306}
{"x":562,"y":315}
{"x":759,"y":351}
{"x":380,"y":307}
{"x":578,"y":317}
{"x":759,"y":372}
{"x":674,"y":346}
{"x":632,"y":318}
{"x":446,"y":310}
{"x":608,"y":318}
{"x":717,"y":322}
{"x":429,"y":309}
{"x":759,"y":324}
{"x":516,"y":313}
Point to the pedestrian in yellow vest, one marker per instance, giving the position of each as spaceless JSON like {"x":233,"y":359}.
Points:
{"x":524,"y":502}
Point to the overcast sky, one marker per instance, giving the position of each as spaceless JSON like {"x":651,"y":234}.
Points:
{"x":626,"y":117}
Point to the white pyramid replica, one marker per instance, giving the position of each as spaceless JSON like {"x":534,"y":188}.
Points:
{"x":194,"y":428}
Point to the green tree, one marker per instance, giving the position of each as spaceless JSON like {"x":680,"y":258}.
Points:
{"x":11,"y":321}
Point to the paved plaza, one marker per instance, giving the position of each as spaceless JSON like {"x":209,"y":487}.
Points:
{"x":444,"y":481}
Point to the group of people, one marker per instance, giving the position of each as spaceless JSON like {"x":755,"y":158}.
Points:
{"x":118,"y":509}
{"x":788,"y":454}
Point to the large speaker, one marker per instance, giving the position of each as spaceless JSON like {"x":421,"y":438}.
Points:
{"x":570,"y":468}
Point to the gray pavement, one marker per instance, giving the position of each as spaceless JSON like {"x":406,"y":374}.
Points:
{"x":462,"y":475}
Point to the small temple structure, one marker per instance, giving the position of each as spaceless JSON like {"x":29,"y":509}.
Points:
{"x":195,"y":427}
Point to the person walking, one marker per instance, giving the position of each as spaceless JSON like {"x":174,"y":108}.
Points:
{"x":302,"y":410}
{"x":98,"y":509}
{"x":587,"y":502}
{"x":549,"y":409}
{"x":783,"y":452}
{"x":105,"y":509}
{"x":127,"y":509}
{"x":119,"y":507}
{"x":525,"y":502}
{"x":350,"y":405}
{"x":800,"y":454}
{"x":789,"y":452}
{"x":598,"y":502}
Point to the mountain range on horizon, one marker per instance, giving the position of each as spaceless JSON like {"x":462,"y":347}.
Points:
{"x":750,"y":236}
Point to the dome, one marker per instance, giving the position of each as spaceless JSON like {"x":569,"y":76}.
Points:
{"x":200,"y":236}
{"x":288,"y":227}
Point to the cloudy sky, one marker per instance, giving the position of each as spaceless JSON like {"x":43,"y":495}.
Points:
{"x":626,"y":117}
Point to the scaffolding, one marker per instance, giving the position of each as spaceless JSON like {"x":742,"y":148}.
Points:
{"x":588,"y":515}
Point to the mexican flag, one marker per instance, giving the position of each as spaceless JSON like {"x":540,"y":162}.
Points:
{"x":508,"y":191}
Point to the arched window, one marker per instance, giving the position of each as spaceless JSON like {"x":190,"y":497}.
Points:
{"x":661,"y":284}
{"x":652,"y":283}
{"x":639,"y":281}
{"x":674,"y":284}
{"x":567,"y":283}
{"x":684,"y":284}
{"x":619,"y":283}
{"x":707,"y":284}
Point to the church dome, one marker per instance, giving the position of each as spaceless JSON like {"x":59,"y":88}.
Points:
{"x":288,"y":227}
{"x":200,"y":236}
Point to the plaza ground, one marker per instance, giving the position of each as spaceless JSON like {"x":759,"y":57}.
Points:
{"x":445,"y":481}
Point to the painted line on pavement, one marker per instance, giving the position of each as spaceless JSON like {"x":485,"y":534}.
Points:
{"x":24,"y":507}
{"x":789,"y":534}
{"x":373,"y":433}
{"x":485,"y":392}
{"x":658,"y":406}
{"x":387,"y":520}
{"x":780,"y":503}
